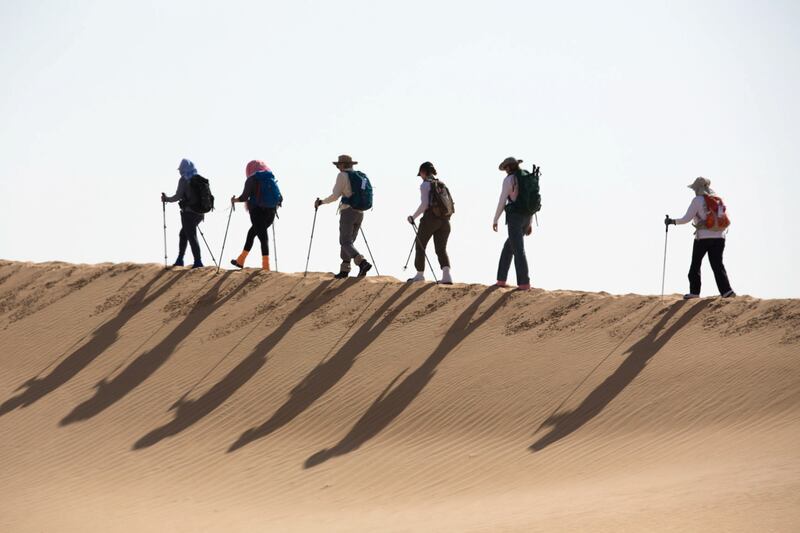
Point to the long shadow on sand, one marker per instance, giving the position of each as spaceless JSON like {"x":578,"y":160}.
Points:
{"x":563,"y":424}
{"x":140,"y":369}
{"x":189,"y":412}
{"x":102,"y":338}
{"x":328,"y":373}
{"x":393,"y":401}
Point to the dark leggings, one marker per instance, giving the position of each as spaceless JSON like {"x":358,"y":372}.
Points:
{"x":439,"y":229}
{"x":261,"y":219}
{"x":714,"y":248}
{"x":188,"y":234}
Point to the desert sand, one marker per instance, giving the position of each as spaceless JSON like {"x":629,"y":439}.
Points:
{"x":138,"y":399}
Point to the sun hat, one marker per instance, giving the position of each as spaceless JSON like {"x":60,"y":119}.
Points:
{"x":701,"y":186}
{"x":509,"y":161}
{"x":345,"y":160}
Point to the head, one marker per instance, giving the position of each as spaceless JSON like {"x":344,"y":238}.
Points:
{"x":187,"y":169}
{"x":701,"y":186}
{"x":254,"y":166}
{"x":510,"y":165}
{"x":345,"y":162}
{"x":426,"y":170}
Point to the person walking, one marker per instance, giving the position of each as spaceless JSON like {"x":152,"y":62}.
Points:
{"x":708,"y":214}
{"x":520,"y":200}
{"x":263,"y":197}
{"x":192,"y":201}
{"x":355,"y":191}
{"x":436,"y":208}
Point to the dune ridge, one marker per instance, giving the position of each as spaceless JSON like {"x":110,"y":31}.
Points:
{"x":134,"y":398}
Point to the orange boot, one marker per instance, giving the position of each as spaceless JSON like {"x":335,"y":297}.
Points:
{"x":239,"y":261}
{"x":265,"y":262}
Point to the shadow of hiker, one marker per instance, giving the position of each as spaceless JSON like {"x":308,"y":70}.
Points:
{"x":393,"y":401}
{"x":189,"y":412}
{"x":111,"y":391}
{"x":102,"y":338}
{"x":328,"y":373}
{"x":563,"y":424}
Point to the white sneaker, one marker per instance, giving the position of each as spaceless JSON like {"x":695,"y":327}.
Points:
{"x":419,"y":277}
{"x":690,"y":296}
{"x":446,"y":278}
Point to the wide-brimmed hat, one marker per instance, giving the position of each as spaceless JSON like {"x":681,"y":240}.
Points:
{"x":345,"y":160}
{"x":509,"y":161}
{"x":701,"y":186}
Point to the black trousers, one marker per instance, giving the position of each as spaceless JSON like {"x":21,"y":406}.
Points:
{"x":261,"y":219}
{"x":514,"y":248}
{"x":439,"y":229}
{"x":714,"y":248}
{"x":188,"y":234}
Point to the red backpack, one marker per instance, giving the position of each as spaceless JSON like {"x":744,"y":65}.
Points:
{"x":717,"y":217}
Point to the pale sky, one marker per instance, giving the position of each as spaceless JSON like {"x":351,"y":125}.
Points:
{"x":622,"y":104}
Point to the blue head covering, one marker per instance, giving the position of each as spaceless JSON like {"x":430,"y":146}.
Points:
{"x":187,"y":169}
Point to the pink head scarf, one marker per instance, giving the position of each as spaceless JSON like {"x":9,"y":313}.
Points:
{"x":255,"y":166}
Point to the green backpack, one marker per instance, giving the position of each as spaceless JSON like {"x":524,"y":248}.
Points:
{"x":528,"y":201}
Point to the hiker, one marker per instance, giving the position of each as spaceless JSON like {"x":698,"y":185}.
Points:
{"x":194,"y":199}
{"x":263,"y":198}
{"x":355,"y":190}
{"x":436,"y":208}
{"x":707,"y":212}
{"x":520,"y":200}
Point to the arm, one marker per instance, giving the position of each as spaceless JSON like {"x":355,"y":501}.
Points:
{"x":693,"y":211}
{"x":179,"y":192}
{"x":249,"y":185}
{"x":338,"y":188}
{"x":424,"y":197}
{"x":504,"y":194}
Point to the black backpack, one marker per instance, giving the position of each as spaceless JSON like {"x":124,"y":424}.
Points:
{"x":202,"y":201}
{"x":441,"y":201}
{"x":528,"y":201}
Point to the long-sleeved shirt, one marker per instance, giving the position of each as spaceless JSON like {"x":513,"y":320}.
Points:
{"x":697,"y":213}
{"x":424,"y":198}
{"x":249,"y":189}
{"x":340,"y":188}
{"x":508,"y":193}
{"x":183,"y":194}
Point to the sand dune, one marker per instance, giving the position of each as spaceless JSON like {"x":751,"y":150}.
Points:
{"x":136,"y":399}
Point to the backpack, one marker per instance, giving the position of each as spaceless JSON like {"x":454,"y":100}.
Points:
{"x":528,"y":201}
{"x":202,"y":201}
{"x":441,"y":201}
{"x":267,"y":193}
{"x":717,"y":218}
{"x":361,"y":199}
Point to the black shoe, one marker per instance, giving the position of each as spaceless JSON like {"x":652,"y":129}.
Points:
{"x":363,"y":268}
{"x":342,"y":275}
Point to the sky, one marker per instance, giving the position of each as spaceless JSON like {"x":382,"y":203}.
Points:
{"x":621,"y":104}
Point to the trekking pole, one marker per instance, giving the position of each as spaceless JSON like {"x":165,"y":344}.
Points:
{"x":370,"y":251}
{"x":228,"y":225}
{"x":275,"y":245}
{"x":416,"y":238}
{"x":664,"y":270}
{"x":208,"y":247}
{"x":313,"y":225}
{"x":411,"y":251}
{"x":164,"y":214}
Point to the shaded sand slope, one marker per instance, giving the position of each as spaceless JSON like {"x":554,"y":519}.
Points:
{"x":136,"y":399}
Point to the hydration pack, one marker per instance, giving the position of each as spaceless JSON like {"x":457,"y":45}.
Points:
{"x":202,"y":201}
{"x":267,"y":193}
{"x":440,"y":202}
{"x":528,"y":201}
{"x":361,"y":199}
{"x":716,"y":217}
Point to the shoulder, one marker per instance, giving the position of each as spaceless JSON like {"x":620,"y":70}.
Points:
{"x":425,"y":185}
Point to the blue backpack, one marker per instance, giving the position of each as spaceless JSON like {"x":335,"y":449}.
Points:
{"x":361,"y":198}
{"x":266,"y":194}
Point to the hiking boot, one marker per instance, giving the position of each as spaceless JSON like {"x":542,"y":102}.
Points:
{"x":363,"y":268}
{"x":178,"y":263}
{"x":524,"y":287}
{"x":690,"y":296}
{"x":265,"y":262}
{"x":235,"y":263}
{"x":239,"y":261}
{"x":419,"y":277}
{"x":501,"y":284}
{"x":729,"y":294}
{"x":197,"y":264}
{"x":342,"y":275}
{"x":446,"y":279}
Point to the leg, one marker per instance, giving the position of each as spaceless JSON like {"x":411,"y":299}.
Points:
{"x":715,"y":252}
{"x":182,"y":241}
{"x":516,"y":233}
{"x":698,"y":252}
{"x":440,"y":243}
{"x":505,"y":261}
{"x":261,"y":219}
{"x":194,"y":220}
{"x":349,"y":224}
{"x":426,"y":228}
